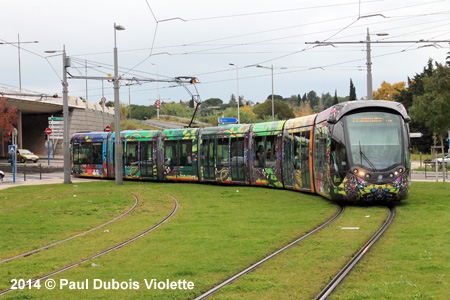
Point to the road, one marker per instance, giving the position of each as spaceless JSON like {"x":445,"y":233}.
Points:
{"x":164,"y":125}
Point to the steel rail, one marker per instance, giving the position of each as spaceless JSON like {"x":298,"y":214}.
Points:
{"x":68,"y":267}
{"x":257,"y":264}
{"x":72,"y":237}
{"x":352,"y":263}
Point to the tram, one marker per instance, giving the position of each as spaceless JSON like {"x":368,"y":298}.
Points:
{"x":356,"y":151}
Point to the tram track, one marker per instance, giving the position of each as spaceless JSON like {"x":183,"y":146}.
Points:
{"x":257,"y":264}
{"x":115,"y":247}
{"x":136,"y":202}
{"x":343,"y":273}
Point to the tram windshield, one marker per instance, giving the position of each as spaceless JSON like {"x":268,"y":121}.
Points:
{"x":375,"y":139}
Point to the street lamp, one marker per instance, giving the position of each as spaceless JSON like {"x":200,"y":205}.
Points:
{"x":117,"y":142}
{"x":66,"y":133}
{"x":237,"y":82}
{"x":273,"y":102}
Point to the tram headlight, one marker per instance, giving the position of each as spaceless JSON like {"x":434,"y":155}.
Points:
{"x":396,"y":173}
{"x":355,"y":171}
{"x":361,"y":173}
{"x":367,"y":176}
{"x":400,"y":170}
{"x":391,"y":175}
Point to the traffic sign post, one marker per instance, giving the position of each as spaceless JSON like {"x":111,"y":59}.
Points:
{"x":48,"y":131}
{"x":158,"y":106}
{"x":13,"y":149}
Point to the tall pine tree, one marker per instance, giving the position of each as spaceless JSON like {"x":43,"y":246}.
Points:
{"x":352,"y":91}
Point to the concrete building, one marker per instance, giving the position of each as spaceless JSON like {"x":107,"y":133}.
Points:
{"x":34,"y":111}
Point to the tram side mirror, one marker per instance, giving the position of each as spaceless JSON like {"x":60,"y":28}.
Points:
{"x":408,"y":119}
{"x":331,"y":120}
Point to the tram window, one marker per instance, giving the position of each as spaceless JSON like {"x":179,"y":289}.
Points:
{"x":297,"y":150}
{"x":321,"y":148}
{"x":170,"y":153}
{"x":85,"y":153}
{"x":222,"y":152}
{"x":338,"y":163}
{"x":186,"y":153}
{"x":259,"y":152}
{"x":146,"y":153}
{"x":131,"y":155}
{"x":237,"y":150}
{"x":97,"y":149}
{"x":76,"y":153}
{"x":271,"y":151}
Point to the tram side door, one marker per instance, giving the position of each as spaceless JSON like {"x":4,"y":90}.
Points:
{"x":147,"y":159}
{"x":287,"y":163}
{"x":207,"y":159}
{"x":305,"y":165}
{"x":237,"y":159}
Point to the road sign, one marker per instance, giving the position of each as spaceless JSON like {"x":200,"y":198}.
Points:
{"x":103,"y":100}
{"x":12,"y":149}
{"x":56,"y":124}
{"x":107,"y":129}
{"x":158,"y":104}
{"x":416,"y":134}
{"x":227,"y":120}
{"x":48,"y":131}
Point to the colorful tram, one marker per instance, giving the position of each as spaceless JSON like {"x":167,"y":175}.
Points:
{"x":355,"y":151}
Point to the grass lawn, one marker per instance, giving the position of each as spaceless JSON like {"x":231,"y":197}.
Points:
{"x":220,"y":230}
{"x":216,"y":232}
{"x":412,"y":260}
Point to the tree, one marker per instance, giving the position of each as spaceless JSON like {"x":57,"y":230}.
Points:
{"x":233,"y":102}
{"x":406,"y":96}
{"x":191,"y":103}
{"x":282,"y":110}
{"x":335,"y":99}
{"x":352,"y":91}
{"x":313,"y":98}
{"x":388,"y":91}
{"x":8,"y":117}
{"x":275,"y":97}
{"x":212,"y":102}
{"x":433,"y":107}
{"x":108,"y":104}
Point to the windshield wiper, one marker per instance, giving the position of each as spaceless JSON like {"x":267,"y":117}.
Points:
{"x":362,"y":155}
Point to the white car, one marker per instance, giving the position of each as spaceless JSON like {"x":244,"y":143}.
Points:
{"x":446,"y":159}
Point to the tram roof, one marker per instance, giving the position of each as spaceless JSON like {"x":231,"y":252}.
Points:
{"x":89,"y":136}
{"x":346,"y":107}
{"x":232,"y":130}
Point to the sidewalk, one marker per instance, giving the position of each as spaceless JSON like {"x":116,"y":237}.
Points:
{"x":49,"y":178}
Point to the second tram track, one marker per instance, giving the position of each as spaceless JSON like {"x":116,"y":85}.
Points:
{"x":358,"y":256}
{"x":115,"y":247}
{"x":72,"y":237}
{"x":257,"y":264}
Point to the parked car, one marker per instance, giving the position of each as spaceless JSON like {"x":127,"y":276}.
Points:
{"x":446,"y":159}
{"x":24,"y":155}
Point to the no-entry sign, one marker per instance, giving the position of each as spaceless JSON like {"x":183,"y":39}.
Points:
{"x":48,"y":131}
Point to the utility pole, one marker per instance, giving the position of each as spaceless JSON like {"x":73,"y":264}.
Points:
{"x":118,"y":151}
{"x":368,"y":43}
{"x":66,"y":144}
{"x":18,"y":49}
{"x":369,"y":68}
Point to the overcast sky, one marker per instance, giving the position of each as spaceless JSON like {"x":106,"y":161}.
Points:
{"x":202,"y":37}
